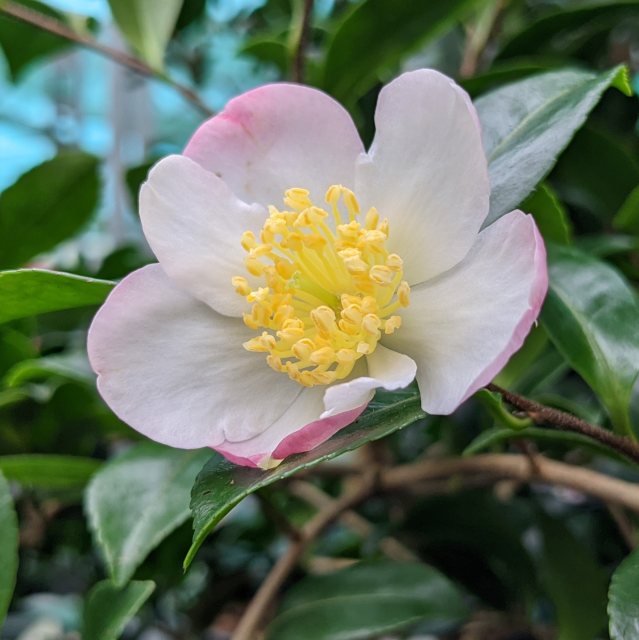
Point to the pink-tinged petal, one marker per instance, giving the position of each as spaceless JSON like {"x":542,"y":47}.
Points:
{"x":277,"y":137}
{"x":387,"y":369}
{"x":194,"y":225}
{"x":462,"y":327}
{"x":426,"y":172}
{"x":176,"y":371}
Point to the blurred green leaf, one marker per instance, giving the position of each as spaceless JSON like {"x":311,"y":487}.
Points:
{"x":627,"y":218}
{"x":29,"y":292}
{"x":369,"y":600}
{"x":22,"y":43}
{"x":49,"y":471}
{"x":623,"y":599}
{"x":550,"y":215}
{"x":497,"y":435}
{"x":147,"y":25}
{"x":108,"y":608}
{"x":268,"y":50}
{"x":376,"y":34}
{"x":574,"y":580}
{"x":603,"y":245}
{"x":596,"y":173}
{"x":47,"y":205}
{"x":592,"y":315}
{"x":137,"y":499}
{"x":527,"y":124}
{"x":222,"y":485}
{"x":68,"y":365}
{"x":567,"y":27}
{"x":9,"y":546}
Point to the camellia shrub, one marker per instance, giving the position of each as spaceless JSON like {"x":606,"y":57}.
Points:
{"x":319,"y":320}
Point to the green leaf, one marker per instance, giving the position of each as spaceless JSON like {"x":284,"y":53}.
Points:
{"x":369,"y":600}
{"x":69,"y":365}
{"x":490,"y":437}
{"x":23,"y":44}
{"x":49,"y":471}
{"x":550,"y":215}
{"x":623,"y":599}
{"x":591,"y":315}
{"x":574,"y":580}
{"x":627,"y":218}
{"x":222,"y":485}
{"x":108,"y":608}
{"x":47,"y":205}
{"x":560,"y":28}
{"x":9,"y":546}
{"x":147,"y":25}
{"x":607,"y":245}
{"x":375,"y":36}
{"x":29,"y":292}
{"x":137,"y":499}
{"x":269,"y":51}
{"x":527,"y":124}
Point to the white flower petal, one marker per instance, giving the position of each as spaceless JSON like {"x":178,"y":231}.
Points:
{"x":176,"y":371}
{"x":277,"y":137}
{"x":462,"y":328}
{"x":426,"y":172}
{"x":194,"y":225}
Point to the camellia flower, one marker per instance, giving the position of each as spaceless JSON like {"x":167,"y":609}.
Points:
{"x":298,"y":273}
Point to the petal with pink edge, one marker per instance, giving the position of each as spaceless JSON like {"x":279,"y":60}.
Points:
{"x":176,"y":371}
{"x":462,"y":327}
{"x":277,"y":137}
{"x":426,"y":172}
{"x":194,"y":225}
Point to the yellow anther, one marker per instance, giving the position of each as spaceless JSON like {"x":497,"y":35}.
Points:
{"x":381,"y":274}
{"x":241,"y":285}
{"x":403,"y":293}
{"x":248,"y":240}
{"x":329,"y":286}
{"x":392,"y":324}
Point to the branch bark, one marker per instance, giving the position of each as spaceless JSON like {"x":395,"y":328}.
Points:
{"x":299,"y":61}
{"x":51,"y":25}
{"x":542,"y":414}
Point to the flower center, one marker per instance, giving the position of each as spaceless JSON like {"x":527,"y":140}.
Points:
{"x":330,"y":286}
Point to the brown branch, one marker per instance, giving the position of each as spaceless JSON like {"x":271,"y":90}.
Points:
{"x":248,"y":625}
{"x":299,"y":59}
{"x":516,"y":467}
{"x":51,"y":25}
{"x":394,"y":549}
{"x":542,"y":414}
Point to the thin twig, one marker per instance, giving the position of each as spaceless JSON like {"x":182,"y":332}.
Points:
{"x":624,"y":525}
{"x":516,"y":467}
{"x":547,"y":415}
{"x":54,"y":26}
{"x":248,"y":625}
{"x":299,"y":60}
{"x":392,"y":547}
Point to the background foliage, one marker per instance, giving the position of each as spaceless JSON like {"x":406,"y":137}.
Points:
{"x":479,"y":526}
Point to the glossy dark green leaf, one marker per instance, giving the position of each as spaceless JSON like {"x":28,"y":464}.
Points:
{"x":222,"y":485}
{"x":137,"y":499}
{"x":376,"y":34}
{"x":527,"y":124}
{"x":491,"y":437}
{"x":29,"y":292}
{"x":627,"y":218}
{"x":23,"y":44}
{"x":574,"y":580}
{"x":591,"y":314}
{"x":604,"y":245}
{"x":565,"y":28}
{"x":623,"y":600}
{"x":49,"y":471}
{"x":369,"y":600}
{"x":550,"y":215}
{"x":147,"y":25}
{"x":108,"y":608}
{"x":596,"y":173}
{"x":46,"y":206}
{"x":9,"y":546}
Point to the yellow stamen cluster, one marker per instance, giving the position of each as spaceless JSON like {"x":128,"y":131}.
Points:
{"x":331,"y":288}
